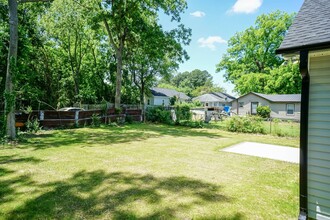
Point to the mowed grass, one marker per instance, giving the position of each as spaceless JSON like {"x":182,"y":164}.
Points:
{"x":144,"y":171}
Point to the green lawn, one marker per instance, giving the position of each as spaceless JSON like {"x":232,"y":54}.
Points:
{"x":144,"y":172}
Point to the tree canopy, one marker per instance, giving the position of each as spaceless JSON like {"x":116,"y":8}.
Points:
{"x":81,"y":51}
{"x":250,"y":62}
{"x":194,"y":83}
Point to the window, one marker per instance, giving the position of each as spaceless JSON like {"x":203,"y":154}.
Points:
{"x":241,"y":104}
{"x":206,"y":104}
{"x":289,"y":109}
{"x":163,"y":102}
{"x":254,"y":106}
{"x":148,"y":101}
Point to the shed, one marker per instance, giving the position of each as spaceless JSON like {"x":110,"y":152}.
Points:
{"x":309,"y":38}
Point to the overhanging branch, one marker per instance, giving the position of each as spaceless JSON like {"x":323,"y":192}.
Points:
{"x":27,"y":1}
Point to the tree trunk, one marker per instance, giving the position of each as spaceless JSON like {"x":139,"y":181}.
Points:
{"x":119,"y":56}
{"x":142,"y":101}
{"x":11,"y":68}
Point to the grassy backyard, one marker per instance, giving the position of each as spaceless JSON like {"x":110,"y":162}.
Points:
{"x":144,"y":171}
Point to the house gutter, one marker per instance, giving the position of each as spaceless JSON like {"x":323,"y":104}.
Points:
{"x":307,"y":47}
{"x":303,"y":199}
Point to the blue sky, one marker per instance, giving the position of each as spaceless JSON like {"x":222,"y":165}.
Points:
{"x":213,"y":22}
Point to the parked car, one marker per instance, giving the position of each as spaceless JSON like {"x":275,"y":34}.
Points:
{"x":71,"y":109}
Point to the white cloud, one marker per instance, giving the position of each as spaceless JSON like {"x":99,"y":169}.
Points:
{"x":198,"y":14}
{"x":211,"y":41}
{"x":246,"y":6}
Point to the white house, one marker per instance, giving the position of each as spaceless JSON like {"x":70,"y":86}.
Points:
{"x":162,"y":96}
{"x":282,"y":106}
{"x":215,"y":99}
{"x":309,"y":38}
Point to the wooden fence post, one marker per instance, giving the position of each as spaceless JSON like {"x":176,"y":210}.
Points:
{"x":41,"y":115}
{"x":76,"y":118}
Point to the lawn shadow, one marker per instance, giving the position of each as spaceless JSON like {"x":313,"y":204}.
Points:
{"x":110,"y":135}
{"x":118,"y":195}
{"x":10,"y":181}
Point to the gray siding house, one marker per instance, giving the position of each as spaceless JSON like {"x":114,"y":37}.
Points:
{"x":309,"y":38}
{"x":282,"y":106}
{"x":162,"y":96}
{"x":215,"y":99}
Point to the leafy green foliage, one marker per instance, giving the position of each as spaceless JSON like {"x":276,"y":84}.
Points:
{"x":248,"y":124}
{"x":263,"y":111}
{"x":251,"y":63}
{"x":33,"y":125}
{"x":191,"y":124}
{"x":158,"y":114}
{"x":96,"y":120}
{"x":183,"y":112}
{"x":194,"y":83}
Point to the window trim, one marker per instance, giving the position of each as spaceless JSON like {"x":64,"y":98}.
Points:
{"x":293,"y":110}
{"x":256,"y":107}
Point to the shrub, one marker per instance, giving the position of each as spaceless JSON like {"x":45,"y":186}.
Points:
{"x":129,"y":119}
{"x":96,"y":120}
{"x":183,"y":112}
{"x":158,"y":114}
{"x":264,"y":111}
{"x":248,"y":124}
{"x":192,"y":124}
{"x":118,"y":111}
{"x":32,"y":126}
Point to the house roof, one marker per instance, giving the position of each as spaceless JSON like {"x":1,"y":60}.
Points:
{"x":168,"y":93}
{"x":209,"y":97}
{"x":277,"y":98}
{"x":225,"y":96}
{"x":310,"y":28}
{"x":281,"y":98}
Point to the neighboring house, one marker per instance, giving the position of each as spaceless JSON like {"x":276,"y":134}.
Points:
{"x":215,"y":99}
{"x":309,"y":38}
{"x":161,"y":96}
{"x":282,"y":106}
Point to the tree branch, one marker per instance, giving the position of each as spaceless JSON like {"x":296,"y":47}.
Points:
{"x":27,"y":1}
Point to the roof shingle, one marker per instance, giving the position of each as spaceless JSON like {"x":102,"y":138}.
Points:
{"x":311,"y":27}
{"x":280,"y":98}
{"x":168,"y":93}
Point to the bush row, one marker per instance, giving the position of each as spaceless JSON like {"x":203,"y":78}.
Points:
{"x":248,"y":124}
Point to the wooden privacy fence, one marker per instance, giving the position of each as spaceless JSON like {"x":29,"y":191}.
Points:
{"x":56,"y":119}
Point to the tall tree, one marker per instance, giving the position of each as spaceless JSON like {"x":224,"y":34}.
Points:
{"x":146,"y":63}
{"x":251,"y":54}
{"x":121,"y":20}
{"x":11,"y":68}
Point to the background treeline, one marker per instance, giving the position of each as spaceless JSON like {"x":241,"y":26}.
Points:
{"x":71,"y":51}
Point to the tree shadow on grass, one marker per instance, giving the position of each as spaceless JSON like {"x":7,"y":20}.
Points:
{"x":110,"y":135}
{"x":119,"y":195}
{"x":11,"y":181}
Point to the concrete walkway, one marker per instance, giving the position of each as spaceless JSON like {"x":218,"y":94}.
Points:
{"x":276,"y":152}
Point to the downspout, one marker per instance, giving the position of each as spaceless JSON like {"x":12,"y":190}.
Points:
{"x":304,"y":134}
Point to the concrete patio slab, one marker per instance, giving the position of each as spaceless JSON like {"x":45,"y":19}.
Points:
{"x":276,"y":152}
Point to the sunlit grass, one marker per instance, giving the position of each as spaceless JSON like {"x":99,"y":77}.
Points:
{"x":144,"y":171}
